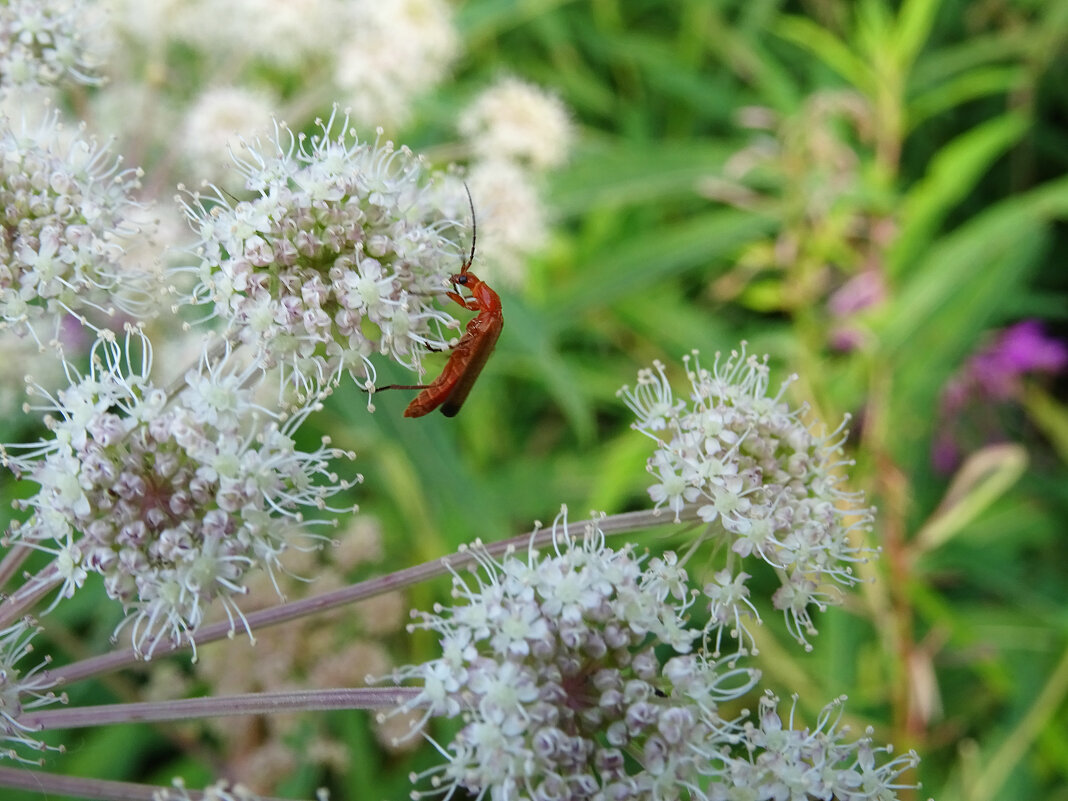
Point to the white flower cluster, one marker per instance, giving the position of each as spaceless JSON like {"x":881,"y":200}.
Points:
{"x":786,"y":762}
{"x":511,"y":219}
{"x":43,"y":42}
{"x":572,"y":675}
{"x":518,"y":121}
{"x":286,"y":34}
{"x":21,"y":691}
{"x":515,"y":131}
{"x":552,"y":663}
{"x":172,"y":500}
{"x":221,"y":790}
{"x":67,"y":210}
{"x":339,"y":255}
{"x":376,"y":56}
{"x":392,"y":51}
{"x":756,"y":471}
{"x":215,"y":125}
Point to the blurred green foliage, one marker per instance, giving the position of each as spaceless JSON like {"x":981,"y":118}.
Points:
{"x":740,"y":162}
{"x":921,"y":142}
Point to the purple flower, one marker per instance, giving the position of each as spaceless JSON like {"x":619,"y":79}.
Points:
{"x":861,"y":292}
{"x":992,"y":374}
{"x":1020,"y":349}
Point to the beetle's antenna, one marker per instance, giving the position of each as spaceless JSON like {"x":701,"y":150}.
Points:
{"x":474,"y":231}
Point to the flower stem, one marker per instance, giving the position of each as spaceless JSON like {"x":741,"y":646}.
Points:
{"x":219,"y":706}
{"x":12,"y":561}
{"x":26,"y":596}
{"x":105,"y":663}
{"x":51,"y":784}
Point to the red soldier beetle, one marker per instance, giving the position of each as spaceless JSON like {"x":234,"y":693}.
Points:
{"x":466,"y":360}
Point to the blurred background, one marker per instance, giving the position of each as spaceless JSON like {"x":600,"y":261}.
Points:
{"x":872,"y":192}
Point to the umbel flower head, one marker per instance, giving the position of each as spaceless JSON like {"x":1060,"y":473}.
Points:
{"x":574,"y":677}
{"x":338,"y":255}
{"x":760,"y":476}
{"x":44,"y":42}
{"x":21,"y":689}
{"x":171,"y":500}
{"x":392,"y":51}
{"x":781,"y":761}
{"x":552,"y":663}
{"x":67,"y":212}
{"x":518,"y":121}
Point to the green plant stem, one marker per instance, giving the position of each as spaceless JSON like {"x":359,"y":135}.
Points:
{"x":988,"y":783}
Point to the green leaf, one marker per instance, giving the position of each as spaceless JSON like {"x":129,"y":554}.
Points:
{"x":537,"y":355}
{"x":829,"y":49}
{"x":873,"y":33}
{"x":961,"y":280}
{"x":957,"y":58}
{"x":955,"y":292}
{"x":490,"y":18}
{"x":914,"y":23}
{"x":972,"y":85}
{"x":621,"y":174}
{"x":986,"y":476}
{"x":622,"y":466}
{"x":643,"y":260}
{"x":745,"y":51}
{"x":952,"y":174}
{"x":1051,"y":417}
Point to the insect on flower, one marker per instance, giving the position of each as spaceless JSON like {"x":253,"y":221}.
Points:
{"x":450,"y":389}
